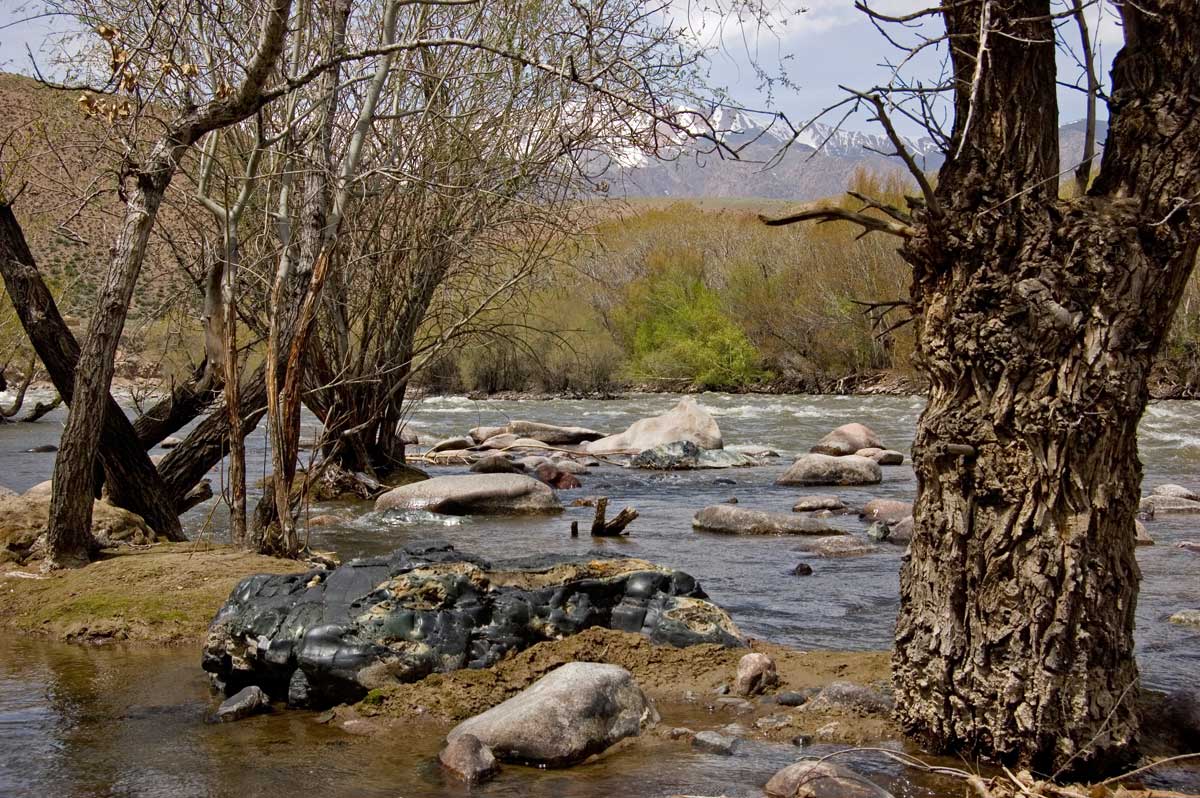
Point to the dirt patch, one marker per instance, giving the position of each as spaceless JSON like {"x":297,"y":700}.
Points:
{"x":165,"y":593}
{"x":682,"y":682}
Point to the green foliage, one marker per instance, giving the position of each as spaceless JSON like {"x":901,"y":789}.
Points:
{"x":676,"y":329}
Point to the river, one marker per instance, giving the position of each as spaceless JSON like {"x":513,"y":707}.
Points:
{"x":87,"y":722}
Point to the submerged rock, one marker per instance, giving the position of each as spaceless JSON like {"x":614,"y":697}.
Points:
{"x":848,"y":439}
{"x":836,"y":546}
{"x":246,"y":702}
{"x":469,"y":759}
{"x":327,"y":637}
{"x":1186,"y":617}
{"x":818,"y":501}
{"x":687,"y":421}
{"x":814,"y":778}
{"x":470,"y":494}
{"x":731,"y":520}
{"x":823,"y":469}
{"x":573,"y":712}
{"x":711,"y":742}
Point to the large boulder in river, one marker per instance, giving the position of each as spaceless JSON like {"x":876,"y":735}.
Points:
{"x":685,"y":455}
{"x":571,"y":713}
{"x":733,"y":520}
{"x":686,"y":421}
{"x":848,"y":439}
{"x":545,"y":433}
{"x":823,"y":469}
{"x":325,"y":637}
{"x":473,"y":494}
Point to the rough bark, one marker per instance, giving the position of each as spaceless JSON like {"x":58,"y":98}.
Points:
{"x":1037,"y":323}
{"x":133,"y":482}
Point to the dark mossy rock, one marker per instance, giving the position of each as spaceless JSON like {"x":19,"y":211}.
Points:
{"x":325,"y":637}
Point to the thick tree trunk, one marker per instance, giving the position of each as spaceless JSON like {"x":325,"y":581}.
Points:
{"x":132,"y":480}
{"x":1037,"y":322}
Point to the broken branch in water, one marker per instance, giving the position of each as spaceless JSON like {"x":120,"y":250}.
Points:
{"x":602,"y":528}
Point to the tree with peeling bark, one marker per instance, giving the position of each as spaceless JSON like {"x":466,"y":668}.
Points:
{"x":1037,"y":322}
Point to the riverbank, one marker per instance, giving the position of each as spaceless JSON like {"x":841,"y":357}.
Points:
{"x":688,"y":685}
{"x":164,"y":594}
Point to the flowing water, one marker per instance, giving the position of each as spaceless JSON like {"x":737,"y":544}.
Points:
{"x":87,"y":722}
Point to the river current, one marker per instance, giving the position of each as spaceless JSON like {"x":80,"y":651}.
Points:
{"x":92,"y":722}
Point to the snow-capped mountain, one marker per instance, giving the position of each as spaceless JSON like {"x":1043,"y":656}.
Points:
{"x":771,"y":160}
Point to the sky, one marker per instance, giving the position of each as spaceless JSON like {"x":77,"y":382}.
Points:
{"x":820,"y":45}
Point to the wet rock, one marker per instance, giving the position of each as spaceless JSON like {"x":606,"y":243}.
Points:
{"x":687,"y":421}
{"x":734,"y":703}
{"x":685,"y":455}
{"x":847,"y":696}
{"x":732,"y":520}
{"x":680,"y":733}
{"x":813,"y":778}
{"x":794,"y":698}
{"x":822,"y":469}
{"x":543,"y":433}
{"x":802,"y":569}
{"x":451,"y":444}
{"x":755,"y":674}
{"x":420,"y":610}
{"x":246,"y":702}
{"x":575,"y":711}
{"x":45,"y":448}
{"x":1188,"y":545}
{"x":531,"y":462}
{"x":879,"y":531}
{"x":469,"y":759}
{"x":555,"y":477}
{"x":1167,"y":505}
{"x":772,"y":722}
{"x":902,"y":532}
{"x":837,"y":546}
{"x":496,"y":464}
{"x":1186,"y":617}
{"x":711,"y":742}
{"x":818,"y":501}
{"x":848,"y":439}
{"x":1177,"y":491}
{"x":484,"y":494}
{"x":1143,"y":537}
{"x":889,"y":457}
{"x":888,"y":511}
{"x":569,"y":466}
{"x":324,"y":520}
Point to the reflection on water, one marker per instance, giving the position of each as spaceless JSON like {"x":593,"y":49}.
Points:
{"x":84,"y":722}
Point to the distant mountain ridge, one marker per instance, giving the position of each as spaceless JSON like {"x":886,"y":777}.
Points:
{"x":818,"y":163}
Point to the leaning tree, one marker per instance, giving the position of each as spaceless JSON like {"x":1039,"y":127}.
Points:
{"x":1037,"y":322}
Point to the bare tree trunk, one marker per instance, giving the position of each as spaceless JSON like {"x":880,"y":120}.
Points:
{"x":71,"y":504}
{"x":133,"y":481}
{"x":1038,"y":320}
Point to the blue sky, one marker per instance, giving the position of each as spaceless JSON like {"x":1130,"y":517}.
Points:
{"x":827,"y":44}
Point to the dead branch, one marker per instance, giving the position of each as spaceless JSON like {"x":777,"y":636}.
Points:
{"x":611,"y":528}
{"x":825,"y":213}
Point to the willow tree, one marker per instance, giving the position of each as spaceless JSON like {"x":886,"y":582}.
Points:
{"x":1037,"y":321}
